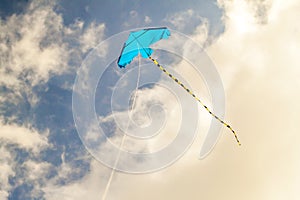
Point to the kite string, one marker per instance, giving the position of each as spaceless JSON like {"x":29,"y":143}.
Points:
{"x":195,"y":97}
{"x":124,"y":136}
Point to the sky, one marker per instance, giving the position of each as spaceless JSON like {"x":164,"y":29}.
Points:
{"x":254,"y":47}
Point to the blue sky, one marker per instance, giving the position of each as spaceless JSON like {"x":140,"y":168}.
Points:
{"x":123,"y":15}
{"x":43,"y":44}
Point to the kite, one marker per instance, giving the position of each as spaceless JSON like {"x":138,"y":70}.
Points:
{"x":139,"y":42}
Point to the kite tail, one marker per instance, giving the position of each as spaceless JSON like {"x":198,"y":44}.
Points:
{"x":195,"y":97}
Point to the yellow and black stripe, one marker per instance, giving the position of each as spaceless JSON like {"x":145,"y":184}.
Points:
{"x":195,"y":97}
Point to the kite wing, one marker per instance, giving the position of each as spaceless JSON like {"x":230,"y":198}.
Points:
{"x":139,"y":42}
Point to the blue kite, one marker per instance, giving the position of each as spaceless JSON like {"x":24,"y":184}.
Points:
{"x":139,"y":42}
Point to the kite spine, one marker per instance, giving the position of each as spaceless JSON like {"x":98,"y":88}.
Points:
{"x":195,"y":97}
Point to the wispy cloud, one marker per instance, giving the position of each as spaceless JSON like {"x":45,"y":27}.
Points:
{"x":26,"y":138}
{"x":7,"y":171}
{"x":32,"y":46}
{"x":35,"y":46}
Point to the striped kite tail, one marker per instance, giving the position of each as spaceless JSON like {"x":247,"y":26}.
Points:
{"x":195,"y":97}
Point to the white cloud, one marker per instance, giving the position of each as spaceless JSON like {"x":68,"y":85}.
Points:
{"x":92,"y":36}
{"x":200,"y":34}
{"x":135,"y":19}
{"x":36,"y":45}
{"x":31,"y":43}
{"x":89,"y":188}
{"x":147,"y":19}
{"x":132,"y":20}
{"x":33,"y":170}
{"x":185,"y":21}
{"x":26,"y":138}
{"x":6,"y":169}
{"x":179,"y":20}
{"x":37,"y":170}
{"x":191,"y":23}
{"x":254,"y":46}
{"x":155,"y":111}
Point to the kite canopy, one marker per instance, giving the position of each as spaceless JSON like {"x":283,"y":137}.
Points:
{"x":139,"y":42}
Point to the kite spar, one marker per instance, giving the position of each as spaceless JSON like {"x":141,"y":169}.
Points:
{"x":143,"y":39}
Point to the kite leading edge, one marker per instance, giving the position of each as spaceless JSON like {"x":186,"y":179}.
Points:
{"x":143,"y":39}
